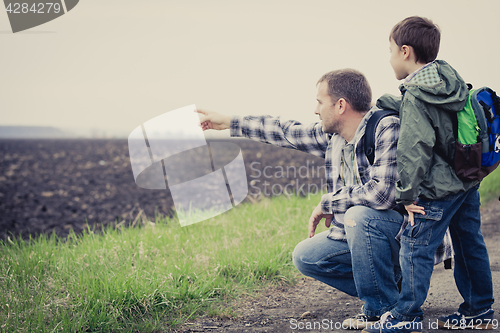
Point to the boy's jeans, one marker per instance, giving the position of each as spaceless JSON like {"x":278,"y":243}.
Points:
{"x":472,"y":267}
{"x":367,"y":266}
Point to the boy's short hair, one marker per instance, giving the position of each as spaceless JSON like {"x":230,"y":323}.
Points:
{"x":421,"y":34}
{"x":350,"y":85}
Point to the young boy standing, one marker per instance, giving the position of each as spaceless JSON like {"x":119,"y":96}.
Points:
{"x":435,"y":198}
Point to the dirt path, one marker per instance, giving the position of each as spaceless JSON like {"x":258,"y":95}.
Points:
{"x":311,"y":306}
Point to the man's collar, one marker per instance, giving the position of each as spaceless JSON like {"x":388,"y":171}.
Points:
{"x":362,"y":124}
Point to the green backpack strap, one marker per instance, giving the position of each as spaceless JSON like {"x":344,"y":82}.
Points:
{"x":468,"y":129}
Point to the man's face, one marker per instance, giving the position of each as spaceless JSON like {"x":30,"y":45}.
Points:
{"x":397,"y":61}
{"x":326,"y":110}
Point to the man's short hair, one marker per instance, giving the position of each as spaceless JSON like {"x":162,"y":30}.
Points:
{"x":419,"y":33}
{"x":350,"y":85}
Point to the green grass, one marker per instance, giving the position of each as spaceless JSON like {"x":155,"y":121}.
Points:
{"x":490,"y":187}
{"x":150,"y":278}
{"x":153,"y":278}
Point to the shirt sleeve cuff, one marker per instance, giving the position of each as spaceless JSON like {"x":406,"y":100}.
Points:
{"x":405,"y":202}
{"x":235,"y":127}
{"x":403,"y":197}
{"x":326,"y":204}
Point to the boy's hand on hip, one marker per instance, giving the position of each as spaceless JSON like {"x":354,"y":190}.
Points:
{"x":316,"y":216}
{"x":414,"y":209}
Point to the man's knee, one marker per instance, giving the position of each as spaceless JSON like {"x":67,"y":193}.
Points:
{"x":361,"y":221}
{"x":307,"y":253}
{"x":356,"y":216}
{"x":298,"y":254}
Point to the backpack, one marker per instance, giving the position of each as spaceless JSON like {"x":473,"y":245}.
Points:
{"x":477,"y":135}
{"x":476,"y":130}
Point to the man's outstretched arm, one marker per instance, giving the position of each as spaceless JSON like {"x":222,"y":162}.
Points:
{"x":289,"y":134}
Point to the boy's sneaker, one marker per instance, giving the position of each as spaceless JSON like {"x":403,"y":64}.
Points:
{"x":389,"y":324}
{"x":360,"y":321}
{"x":483,"y":321}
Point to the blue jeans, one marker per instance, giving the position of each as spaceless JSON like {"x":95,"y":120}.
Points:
{"x":356,"y":267}
{"x":472,"y":267}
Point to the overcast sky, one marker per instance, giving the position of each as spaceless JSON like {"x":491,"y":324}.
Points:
{"x":114,"y":64}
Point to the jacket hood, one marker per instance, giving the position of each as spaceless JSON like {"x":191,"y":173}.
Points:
{"x":449,"y":94}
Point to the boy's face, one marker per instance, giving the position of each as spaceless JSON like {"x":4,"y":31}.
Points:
{"x":397,"y":60}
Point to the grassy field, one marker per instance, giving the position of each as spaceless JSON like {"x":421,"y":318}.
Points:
{"x":159,"y":275}
{"x":150,"y":278}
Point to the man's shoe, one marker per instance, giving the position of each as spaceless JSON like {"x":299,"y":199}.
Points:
{"x":360,"y":321}
{"x":483,"y":321}
{"x":389,"y":324}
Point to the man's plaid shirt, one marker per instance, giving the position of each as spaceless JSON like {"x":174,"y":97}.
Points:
{"x":377,"y":182}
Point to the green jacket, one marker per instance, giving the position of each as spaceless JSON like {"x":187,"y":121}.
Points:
{"x":426,"y":113}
